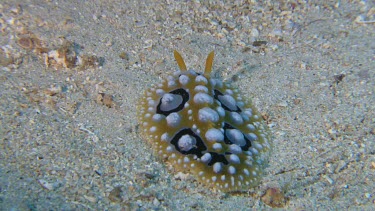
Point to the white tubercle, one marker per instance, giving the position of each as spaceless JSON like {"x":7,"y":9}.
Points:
{"x":206,"y":158}
{"x":217,"y":146}
{"x":236,"y":118}
{"x":184,"y":79}
{"x":220,"y":111}
{"x":234,"y":159}
{"x":231,"y":170}
{"x":217,"y":167}
{"x":214,"y":135}
{"x":157,"y":117}
{"x":173,"y":119}
{"x":201,"y":78}
{"x":201,"y":88}
{"x":170,"y":102}
{"x":228,"y":101}
{"x":203,"y":98}
{"x":207,"y":114}
{"x":235,"y":149}
{"x":186,"y":143}
{"x":235,"y":136}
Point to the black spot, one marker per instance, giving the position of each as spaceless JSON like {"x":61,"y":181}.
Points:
{"x":185,"y":97}
{"x":199,"y":147}
{"x":217,"y":93}
{"x":227,"y":141}
{"x":216,"y":157}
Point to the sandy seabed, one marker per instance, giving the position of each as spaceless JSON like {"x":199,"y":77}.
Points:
{"x":72,"y":72}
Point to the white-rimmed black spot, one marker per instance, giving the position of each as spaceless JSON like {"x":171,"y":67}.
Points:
{"x":216,"y":157}
{"x":197,"y":149}
{"x":229,"y":142}
{"x":176,"y":98}
{"x":225,"y":104}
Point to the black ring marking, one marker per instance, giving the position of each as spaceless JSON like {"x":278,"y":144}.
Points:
{"x":199,"y":149}
{"x":185,"y":97}
{"x":216,"y":157}
{"x":217,"y":93}
{"x":196,"y":150}
{"x":227,"y":141}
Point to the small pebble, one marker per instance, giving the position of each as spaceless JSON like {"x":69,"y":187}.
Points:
{"x":115,"y":194}
{"x":90,"y":198}
{"x":254,"y":32}
{"x":45,"y":184}
{"x":328,"y":179}
{"x":341,"y":165}
{"x":274,"y":198}
{"x":156,"y":202}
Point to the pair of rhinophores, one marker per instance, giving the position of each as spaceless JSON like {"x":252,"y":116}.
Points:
{"x":205,"y":126}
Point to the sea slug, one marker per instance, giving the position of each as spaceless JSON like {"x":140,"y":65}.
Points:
{"x":205,"y":126}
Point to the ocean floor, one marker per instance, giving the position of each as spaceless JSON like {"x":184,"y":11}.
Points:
{"x":72,"y":73}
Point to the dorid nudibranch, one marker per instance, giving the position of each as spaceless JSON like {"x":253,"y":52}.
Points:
{"x":205,"y":126}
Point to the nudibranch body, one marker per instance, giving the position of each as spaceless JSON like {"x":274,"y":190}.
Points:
{"x":204,"y":126}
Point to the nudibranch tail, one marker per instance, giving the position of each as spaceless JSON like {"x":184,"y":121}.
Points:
{"x":209,"y":62}
{"x":180,"y":61}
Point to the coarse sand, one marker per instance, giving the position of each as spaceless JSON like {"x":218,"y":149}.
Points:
{"x":72,"y":72}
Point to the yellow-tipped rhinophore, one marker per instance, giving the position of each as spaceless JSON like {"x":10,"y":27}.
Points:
{"x":209,"y":62}
{"x":180,"y":61}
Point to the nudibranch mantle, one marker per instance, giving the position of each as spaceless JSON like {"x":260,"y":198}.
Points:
{"x":204,"y":126}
